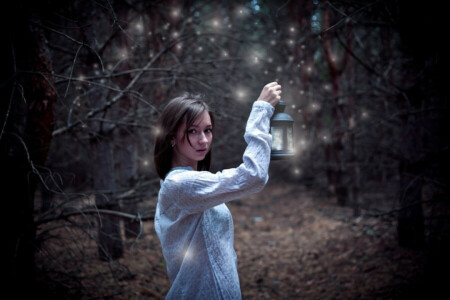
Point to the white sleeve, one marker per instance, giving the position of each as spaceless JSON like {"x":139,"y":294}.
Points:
{"x":195,"y":191}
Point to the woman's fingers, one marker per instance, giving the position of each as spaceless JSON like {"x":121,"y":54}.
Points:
{"x":271,"y":93}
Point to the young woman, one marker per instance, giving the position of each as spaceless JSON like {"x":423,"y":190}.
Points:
{"x":193,"y":223}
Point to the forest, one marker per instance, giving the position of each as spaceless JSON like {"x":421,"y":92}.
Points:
{"x":362,"y":209}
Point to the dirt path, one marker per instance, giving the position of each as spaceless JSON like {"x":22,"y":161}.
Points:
{"x":290,"y":245}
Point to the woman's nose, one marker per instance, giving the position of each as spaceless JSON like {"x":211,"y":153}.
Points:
{"x":202,"y":138}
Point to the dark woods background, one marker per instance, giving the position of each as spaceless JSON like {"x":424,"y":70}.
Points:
{"x":82,"y":83}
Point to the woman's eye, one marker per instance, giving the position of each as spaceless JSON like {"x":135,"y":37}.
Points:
{"x":208,"y":130}
{"x":192,"y":131}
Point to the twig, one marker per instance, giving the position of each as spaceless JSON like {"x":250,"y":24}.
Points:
{"x":96,"y":211}
{"x":108,"y":104}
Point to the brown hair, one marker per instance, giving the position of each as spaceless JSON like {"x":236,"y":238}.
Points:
{"x":186,"y":108}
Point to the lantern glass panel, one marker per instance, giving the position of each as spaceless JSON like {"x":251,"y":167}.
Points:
{"x":290,"y":143}
{"x":277,"y":138}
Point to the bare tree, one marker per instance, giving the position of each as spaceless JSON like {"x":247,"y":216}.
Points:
{"x":28,"y":97}
{"x":334,"y":151}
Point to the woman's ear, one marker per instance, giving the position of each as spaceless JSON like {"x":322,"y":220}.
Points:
{"x":172,"y":142}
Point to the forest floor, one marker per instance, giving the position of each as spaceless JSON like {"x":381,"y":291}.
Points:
{"x":290,"y":243}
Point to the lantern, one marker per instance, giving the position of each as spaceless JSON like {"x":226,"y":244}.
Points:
{"x":281,"y":128}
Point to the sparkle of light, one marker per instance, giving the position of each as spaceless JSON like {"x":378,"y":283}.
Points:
{"x":175,"y":13}
{"x":188,"y":254}
{"x":157,"y":131}
{"x":139,"y":27}
{"x":241,"y":11}
{"x":216,"y":23}
{"x":351,"y":123}
{"x":122,"y":53}
{"x":241,"y":93}
{"x":315,"y":106}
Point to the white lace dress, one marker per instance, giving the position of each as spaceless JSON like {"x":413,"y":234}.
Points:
{"x":194,"y":225}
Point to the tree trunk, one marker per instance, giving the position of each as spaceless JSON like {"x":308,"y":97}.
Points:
{"x":110,"y":245}
{"x":126,"y":151}
{"x":26,"y":124}
{"x":410,"y":226}
{"x":426,"y":152}
{"x":334,"y":152}
{"x":126,"y":155}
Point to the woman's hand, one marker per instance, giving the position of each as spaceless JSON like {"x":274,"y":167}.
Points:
{"x":271,"y":93}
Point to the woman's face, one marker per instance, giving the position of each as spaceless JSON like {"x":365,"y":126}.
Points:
{"x":200,"y":136}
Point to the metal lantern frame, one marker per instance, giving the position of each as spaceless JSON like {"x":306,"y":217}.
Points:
{"x":282,"y":131}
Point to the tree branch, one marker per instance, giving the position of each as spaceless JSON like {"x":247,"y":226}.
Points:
{"x":95,"y":211}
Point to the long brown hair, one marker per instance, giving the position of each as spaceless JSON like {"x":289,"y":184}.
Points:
{"x":186,"y":108}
